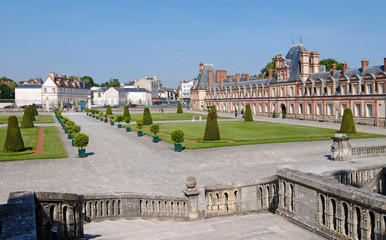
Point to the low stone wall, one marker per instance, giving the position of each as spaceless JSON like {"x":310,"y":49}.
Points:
{"x":371,"y":151}
{"x":240,"y":198}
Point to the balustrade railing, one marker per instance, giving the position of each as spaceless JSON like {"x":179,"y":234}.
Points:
{"x":368,"y":151}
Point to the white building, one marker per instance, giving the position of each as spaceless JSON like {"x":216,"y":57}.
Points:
{"x":185,"y":87}
{"x":152,"y":85}
{"x":27,"y":94}
{"x":121,"y":96}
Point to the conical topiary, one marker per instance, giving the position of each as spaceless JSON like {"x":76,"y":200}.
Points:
{"x":214,"y":109}
{"x":179,"y":108}
{"x":108,"y":110}
{"x":13,"y":140}
{"x":348,"y":125}
{"x":126,"y":113}
{"x":27,"y":121}
{"x":248,"y":113}
{"x":31,"y":111}
{"x":147,"y":117}
{"x":35,"y":109}
{"x":212,"y":131}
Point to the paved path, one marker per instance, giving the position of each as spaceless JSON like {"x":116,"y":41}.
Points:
{"x":122,"y":162}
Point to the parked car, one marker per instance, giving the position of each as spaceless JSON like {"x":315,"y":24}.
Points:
{"x":8,"y":106}
{"x":39,"y":105}
{"x":132,"y":105}
{"x":23,"y":106}
{"x":94,"y":106}
{"x":114,"y":106}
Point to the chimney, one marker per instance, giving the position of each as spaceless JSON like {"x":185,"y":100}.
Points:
{"x":79,"y":79}
{"x":201,"y":67}
{"x":237,"y":78}
{"x":344,"y":68}
{"x":70,"y":77}
{"x":210,"y":78}
{"x":63,"y":76}
{"x":221,"y":83}
{"x":304,"y":64}
{"x":218,"y":75}
{"x":247,"y":77}
{"x":52,"y":75}
{"x":333,"y":69}
{"x":270,"y":75}
{"x":56,"y":75}
{"x":314,"y":59}
{"x":384,"y":64}
{"x":365,"y":64}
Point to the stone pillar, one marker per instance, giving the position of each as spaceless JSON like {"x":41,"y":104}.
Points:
{"x":89,"y":102}
{"x":340,"y":148}
{"x":192,"y":193}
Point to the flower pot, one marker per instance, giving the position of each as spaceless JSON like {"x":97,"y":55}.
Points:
{"x":105,"y":120}
{"x":274,"y":116}
{"x":177,"y":147}
{"x":73,"y":143}
{"x":112,"y":123}
{"x":140,"y":133}
{"x":70,"y":136}
{"x":128,"y":129}
{"x":65,"y":131}
{"x":119,"y":125}
{"x":155,"y":139}
{"x":93,"y":116}
{"x":101,"y":119}
{"x":97,"y":117}
{"x":81,"y":153}
{"x":283,"y":116}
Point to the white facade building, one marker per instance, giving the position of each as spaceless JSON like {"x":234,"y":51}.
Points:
{"x":122,"y":96}
{"x":27,"y":94}
{"x":185,"y":89}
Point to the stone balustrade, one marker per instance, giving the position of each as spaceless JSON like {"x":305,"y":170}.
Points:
{"x":371,"y":151}
{"x":239,"y":198}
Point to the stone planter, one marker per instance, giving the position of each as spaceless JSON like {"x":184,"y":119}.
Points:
{"x":140,"y":133}
{"x":128,"y":129}
{"x":177,"y":147}
{"x":119,"y":125}
{"x":155,"y":139}
{"x":81,"y":152}
{"x":112,"y":123}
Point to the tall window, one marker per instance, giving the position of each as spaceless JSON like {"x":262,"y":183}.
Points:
{"x":381,"y":88}
{"x":291,"y":91}
{"x":329,"y":109}
{"x":266,"y":107}
{"x":282,"y":91}
{"x":343,"y":87}
{"x":329,"y":90}
{"x":369,"y":110}
{"x":45,"y":90}
{"x":319,"y":109}
{"x":309,"y":110}
{"x":309,"y":91}
{"x":355,"y":89}
{"x":357,"y":110}
{"x":343,"y":107}
{"x":300,"y":108}
{"x":369,"y":88}
{"x":291,"y":108}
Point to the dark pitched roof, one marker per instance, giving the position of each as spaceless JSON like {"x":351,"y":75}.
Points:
{"x":353,"y":71}
{"x":132,"y":90}
{"x":202,"y":78}
{"x":29,"y":86}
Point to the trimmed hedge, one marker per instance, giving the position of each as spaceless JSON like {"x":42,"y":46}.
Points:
{"x":177,"y":136}
{"x":27,"y":121}
{"x":213,"y":107}
{"x":248,"y":113}
{"x":348,"y":125}
{"x":13,"y":141}
{"x":126,"y":112}
{"x":108,"y":110}
{"x":35,"y":109}
{"x":81,"y":140}
{"x":179,"y":108}
{"x":147,"y":117}
{"x":212,"y":131}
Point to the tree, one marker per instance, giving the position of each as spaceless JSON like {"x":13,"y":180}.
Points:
{"x":31,"y":112}
{"x":27,"y":121}
{"x":213,"y":107}
{"x":212,"y":131}
{"x":126,"y":113}
{"x":348,"y":125}
{"x":90,"y":81}
{"x":329,"y":62}
{"x":179,"y":108}
{"x":5,"y":92}
{"x":113,"y":82}
{"x":248,"y":113}
{"x":270,"y":65}
{"x":139,"y":124}
{"x":177,"y":136}
{"x":154,"y":128}
{"x":147,"y":117}
{"x":81,"y":140}
{"x":108,"y":110}
{"x":35,"y":110}
{"x":119,"y":118}
{"x":13,"y":140}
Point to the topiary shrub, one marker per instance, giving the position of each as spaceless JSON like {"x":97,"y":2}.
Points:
{"x":13,"y":140}
{"x":27,"y":121}
{"x":179,"y":108}
{"x":73,"y":130}
{"x":81,"y":140}
{"x":213,"y":107}
{"x":154,"y":128}
{"x":177,"y":136}
{"x":119,"y":118}
{"x":126,"y":113}
{"x":108,"y":110}
{"x":139,"y":124}
{"x":242,"y":111}
{"x":248,"y":113}
{"x":212,"y":131}
{"x":35,"y":109}
{"x":348,"y":125}
{"x":101,"y":114}
{"x":147,"y":117}
{"x":127,"y":120}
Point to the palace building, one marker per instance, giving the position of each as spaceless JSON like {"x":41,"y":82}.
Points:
{"x":301,"y":89}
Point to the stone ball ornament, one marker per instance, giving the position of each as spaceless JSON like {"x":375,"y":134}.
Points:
{"x":191,"y":183}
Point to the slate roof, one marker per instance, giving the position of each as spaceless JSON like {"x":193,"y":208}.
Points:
{"x":30,"y":86}
{"x":354,"y":71}
{"x":133,"y":90}
{"x":202,"y":78}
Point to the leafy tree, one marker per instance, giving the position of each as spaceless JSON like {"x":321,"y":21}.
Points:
{"x":177,"y":136}
{"x":154,"y":128}
{"x":108,"y":110}
{"x":113,"y":82}
{"x":90,"y":81}
{"x":139,"y":124}
{"x":147,"y":120}
{"x":348,"y":125}
{"x":179,"y":108}
{"x":329,"y":62}
{"x":248,"y":113}
{"x":126,"y":113}
{"x":6,"y":92}
{"x":81,"y":140}
{"x":270,"y":65}
{"x":27,"y":121}
{"x":13,"y":140}
{"x":212,"y":131}
{"x":119,"y":118}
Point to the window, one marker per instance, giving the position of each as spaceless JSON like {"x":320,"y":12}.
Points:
{"x":266,"y":107}
{"x":260,"y":107}
{"x":300,"y":108}
{"x":329,"y":109}
{"x":381,"y":88}
{"x":369,"y":88}
{"x":319,"y":91}
{"x":273,"y":92}
{"x":53,"y":90}
{"x":309,"y":110}
{"x":99,"y":94}
{"x":343,"y":107}
{"x":355,"y":89}
{"x":282,"y":91}
{"x":357,"y":110}
{"x":291,"y":91}
{"x":274,"y":107}
{"x":343,"y":87}
{"x":301,"y":91}
{"x":291,"y":108}
{"x":309,"y":91}
{"x":369,"y":110}
{"x":319,"y":109}
{"x":45,"y":90}
{"x":329,"y":91}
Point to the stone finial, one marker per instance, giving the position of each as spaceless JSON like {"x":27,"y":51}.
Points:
{"x":190,"y":183}
{"x":192,"y":193}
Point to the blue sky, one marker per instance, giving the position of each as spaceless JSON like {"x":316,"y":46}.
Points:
{"x":132,"y":39}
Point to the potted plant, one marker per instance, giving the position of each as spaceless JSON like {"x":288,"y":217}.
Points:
{"x":177,"y":138}
{"x":139,"y":126}
{"x":119,"y":119}
{"x":101,"y":116}
{"x":72,"y":131}
{"x":105,"y":118}
{"x":127,"y":120}
{"x":112,"y":121}
{"x":274,"y":114}
{"x":81,"y":141}
{"x":154,"y":128}
{"x":283,"y":115}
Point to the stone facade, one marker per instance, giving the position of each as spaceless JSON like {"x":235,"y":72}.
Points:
{"x":300,"y":89}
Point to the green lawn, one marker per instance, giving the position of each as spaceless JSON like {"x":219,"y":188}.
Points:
{"x":169,"y":116}
{"x":243,"y":133}
{"x":47,"y":119}
{"x":53,"y":146}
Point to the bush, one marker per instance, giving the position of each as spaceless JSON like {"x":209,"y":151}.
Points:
{"x":242,"y":111}
{"x":154,"y":128}
{"x":81,"y":140}
{"x":27,"y":121}
{"x":248,"y":113}
{"x":13,"y":140}
{"x":177,"y":136}
{"x":35,"y":109}
{"x":147,"y":117}
{"x":127,"y":120}
{"x":179,"y":108}
{"x":73,"y":129}
{"x":119,"y":118}
{"x":213,"y":107}
{"x":212,"y":131}
{"x":348,"y":125}
{"x":139,"y":124}
{"x":126,"y":112}
{"x":108,"y":110}
{"x":101,"y":114}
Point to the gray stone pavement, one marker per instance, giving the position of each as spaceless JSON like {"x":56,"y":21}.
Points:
{"x":254,"y":226}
